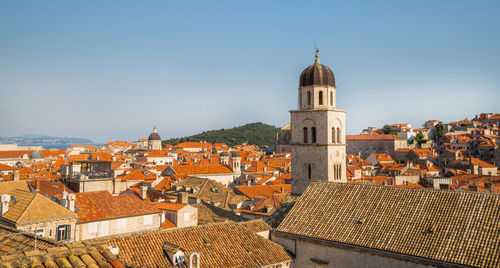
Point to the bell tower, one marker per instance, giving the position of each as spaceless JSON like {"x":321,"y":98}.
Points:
{"x":318,"y":130}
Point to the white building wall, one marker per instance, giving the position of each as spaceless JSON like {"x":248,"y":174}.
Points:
{"x":90,"y":230}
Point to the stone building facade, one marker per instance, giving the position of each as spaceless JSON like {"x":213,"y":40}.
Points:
{"x":364,"y":145}
{"x":317,"y":130}
{"x":154,"y":140}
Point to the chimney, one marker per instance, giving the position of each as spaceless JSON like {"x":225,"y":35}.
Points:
{"x":182,"y":198}
{"x":282,"y":189}
{"x":249,"y":182}
{"x":162,"y":219}
{"x":144,"y":190}
{"x":71,"y":202}
{"x":64,"y":199}
{"x":5,"y":199}
{"x":15,"y":175}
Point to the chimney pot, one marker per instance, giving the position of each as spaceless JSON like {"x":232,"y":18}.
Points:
{"x":71,"y":202}
{"x":144,"y":190}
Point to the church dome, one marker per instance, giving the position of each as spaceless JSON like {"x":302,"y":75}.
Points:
{"x":37,"y":155}
{"x":154,"y":136}
{"x":317,"y":75}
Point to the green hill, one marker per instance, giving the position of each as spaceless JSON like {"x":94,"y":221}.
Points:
{"x":254,"y":133}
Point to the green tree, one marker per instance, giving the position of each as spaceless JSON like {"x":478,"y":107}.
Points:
{"x":439,"y":130}
{"x":387,"y":129}
{"x":420,"y":138}
{"x":255,"y":133}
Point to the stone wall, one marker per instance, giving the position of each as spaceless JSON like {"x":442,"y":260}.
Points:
{"x":50,"y":228}
{"x":367,"y":147}
{"x":309,"y":254}
{"x":322,"y":155}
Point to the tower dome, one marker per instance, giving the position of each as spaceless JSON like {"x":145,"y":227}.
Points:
{"x":317,"y":75}
{"x":37,"y":155}
{"x":154,"y":136}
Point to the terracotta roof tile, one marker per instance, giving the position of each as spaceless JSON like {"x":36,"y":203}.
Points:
{"x":29,"y":207}
{"x":256,"y":191}
{"x":226,"y":244}
{"x":448,"y":226}
{"x":101,"y":205}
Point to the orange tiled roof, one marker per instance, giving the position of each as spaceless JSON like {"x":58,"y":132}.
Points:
{"x":101,"y":205}
{"x":4,"y":167}
{"x":256,"y":191}
{"x":225,"y":244}
{"x":194,"y":145}
{"x":170,"y":206}
{"x":137,"y":175}
{"x":15,"y":154}
{"x":49,"y":188}
{"x":201,"y":169}
{"x":101,"y":156}
{"x":32,"y":207}
{"x":167,"y":224}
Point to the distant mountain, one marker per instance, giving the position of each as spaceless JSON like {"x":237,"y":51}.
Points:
{"x":45,"y":141}
{"x":254,"y":133}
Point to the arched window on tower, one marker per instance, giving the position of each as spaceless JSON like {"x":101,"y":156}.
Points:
{"x":338,"y":135}
{"x":309,"y":171}
{"x":313,"y":135}
{"x":305,"y":135}
{"x":331,"y":98}
{"x":333,"y":135}
{"x":308,"y":97}
{"x":320,"y":98}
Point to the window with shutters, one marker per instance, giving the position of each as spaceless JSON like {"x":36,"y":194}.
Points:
{"x":63,"y":232}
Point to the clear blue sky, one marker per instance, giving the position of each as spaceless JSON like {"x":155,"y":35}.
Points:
{"x":110,"y":70}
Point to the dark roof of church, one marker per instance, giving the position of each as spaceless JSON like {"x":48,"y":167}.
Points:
{"x":154,"y":137}
{"x":317,"y":75}
{"x":446,"y":226}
